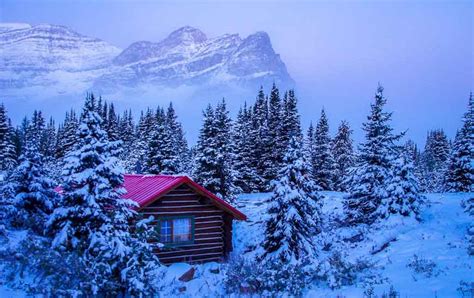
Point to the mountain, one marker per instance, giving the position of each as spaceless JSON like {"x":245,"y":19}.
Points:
{"x":52,"y":60}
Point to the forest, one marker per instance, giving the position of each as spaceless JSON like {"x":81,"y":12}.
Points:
{"x":80,"y":242}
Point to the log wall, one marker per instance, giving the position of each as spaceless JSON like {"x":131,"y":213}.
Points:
{"x":211,"y":226}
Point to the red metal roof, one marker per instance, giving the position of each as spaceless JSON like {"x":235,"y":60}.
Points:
{"x":145,"y":189}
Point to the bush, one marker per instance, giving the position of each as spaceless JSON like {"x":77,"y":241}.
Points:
{"x":423,"y":266}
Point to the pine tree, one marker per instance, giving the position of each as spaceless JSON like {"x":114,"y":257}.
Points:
{"x":460,"y":175}
{"x":92,"y":218}
{"x":246,"y":178}
{"x":136,"y":162}
{"x":213,"y":153}
{"x":274,"y":148}
{"x":343,"y":153}
{"x":69,"y":135}
{"x":403,"y":191}
{"x":290,"y":119}
{"x":112,"y":124}
{"x":294,"y":212}
{"x":180,"y":158}
{"x":34,"y":195}
{"x":323,"y":161}
{"x":434,"y":159}
{"x":260,"y":140}
{"x":369,"y":179}
{"x":162,"y":158}
{"x":7,"y":147}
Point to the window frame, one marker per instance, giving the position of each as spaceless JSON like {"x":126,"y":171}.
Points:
{"x":172,"y":218}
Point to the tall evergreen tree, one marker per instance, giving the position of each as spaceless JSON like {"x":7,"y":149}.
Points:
{"x":112,"y":124}
{"x":261,"y":137}
{"x":162,"y":158}
{"x":373,"y":170}
{"x":274,"y":146}
{"x":460,"y":175}
{"x":179,"y":145}
{"x":92,"y":218}
{"x":294,"y":212}
{"x":434,"y":160}
{"x":290,"y":118}
{"x":213,"y":156}
{"x":69,"y":136}
{"x":343,"y":153}
{"x":34,"y":195}
{"x":323,"y":161}
{"x":7,"y":147}
{"x":246,"y":177}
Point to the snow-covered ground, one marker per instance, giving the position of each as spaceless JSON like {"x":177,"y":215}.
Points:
{"x":435,"y":247}
{"x":438,"y":241}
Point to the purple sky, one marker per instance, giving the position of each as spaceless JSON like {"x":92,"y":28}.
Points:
{"x":421,"y":51}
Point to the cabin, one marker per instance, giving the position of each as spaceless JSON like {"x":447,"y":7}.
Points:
{"x":193,"y":224}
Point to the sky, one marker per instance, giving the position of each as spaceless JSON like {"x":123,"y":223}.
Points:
{"x":422,"y":52}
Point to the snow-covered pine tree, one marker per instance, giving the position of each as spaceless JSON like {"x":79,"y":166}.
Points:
{"x":370,"y":177}
{"x":460,"y":175}
{"x":260,"y":135}
{"x":343,"y":153}
{"x":322,"y":159}
{"x":69,"y":135}
{"x":213,"y":156}
{"x":112,"y":124}
{"x":33,"y":193}
{"x":275,"y":149}
{"x":290,"y":118}
{"x":94,"y":221}
{"x":403,"y":191}
{"x":136,"y":162}
{"x":434,"y":158}
{"x":162,"y":159}
{"x":127,"y":135}
{"x":225,"y":157}
{"x":181,"y":157}
{"x":246,"y":178}
{"x":7,"y":147}
{"x":293,"y":219}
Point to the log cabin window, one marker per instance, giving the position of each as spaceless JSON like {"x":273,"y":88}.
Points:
{"x":175,"y":231}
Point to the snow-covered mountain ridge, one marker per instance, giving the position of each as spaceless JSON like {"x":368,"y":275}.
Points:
{"x":59,"y":60}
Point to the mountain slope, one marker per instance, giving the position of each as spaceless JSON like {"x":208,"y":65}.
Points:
{"x":58,"y":60}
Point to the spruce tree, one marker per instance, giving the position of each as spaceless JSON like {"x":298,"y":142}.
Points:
{"x":34,"y":195}
{"x":293,"y":213}
{"x":213,"y":153}
{"x":180,"y":158}
{"x":246,"y":177}
{"x":460,"y":175}
{"x":261,"y":140}
{"x":323,"y":161}
{"x":290,"y":119}
{"x":112,"y":124}
{"x":369,"y":179}
{"x":403,"y":191}
{"x":343,"y":153}
{"x":7,"y":147}
{"x":162,"y":158}
{"x":434,"y":159}
{"x":94,"y":221}
{"x":274,"y":146}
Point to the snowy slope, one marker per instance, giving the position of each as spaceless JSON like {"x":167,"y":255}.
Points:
{"x":438,"y":238}
{"x":48,"y":60}
{"x":438,"y":241}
